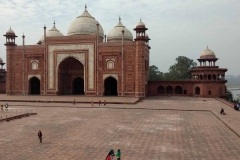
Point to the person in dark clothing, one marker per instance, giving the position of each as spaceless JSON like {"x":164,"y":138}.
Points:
{"x":104,"y":102}
{"x":99,"y":102}
{"x":222,"y":111}
{"x":40,"y":136}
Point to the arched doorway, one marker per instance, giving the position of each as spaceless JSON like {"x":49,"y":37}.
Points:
{"x":178,"y":90}
{"x":169,"y":90}
{"x":160,"y":90}
{"x":197,"y":90}
{"x":78,"y":86}
{"x":69,"y":72}
{"x":34,"y":85}
{"x":110,"y":87}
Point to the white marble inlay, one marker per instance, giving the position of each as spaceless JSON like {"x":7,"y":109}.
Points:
{"x":34,"y":75}
{"x":69,"y":47}
{"x":110,"y":75}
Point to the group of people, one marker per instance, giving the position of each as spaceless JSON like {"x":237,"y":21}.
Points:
{"x":111,"y":155}
{"x":6,"y":106}
{"x":236,"y":106}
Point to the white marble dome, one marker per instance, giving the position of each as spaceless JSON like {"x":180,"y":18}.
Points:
{"x":85,"y":24}
{"x":207,"y":54}
{"x":116,"y":33}
{"x":54,"y":32}
{"x":140,"y":24}
{"x":10,"y":32}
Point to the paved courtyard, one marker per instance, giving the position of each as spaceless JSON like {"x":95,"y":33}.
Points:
{"x":156,"y":128}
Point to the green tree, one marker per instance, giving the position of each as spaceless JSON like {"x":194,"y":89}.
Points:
{"x":155,"y":74}
{"x":180,"y":70}
{"x":230,"y":97}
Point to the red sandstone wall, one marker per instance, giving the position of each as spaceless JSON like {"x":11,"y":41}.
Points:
{"x":207,"y":89}
{"x":2,"y":86}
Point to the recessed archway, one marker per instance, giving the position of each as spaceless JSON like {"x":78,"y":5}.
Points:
{"x":178,"y":90}
{"x":169,"y":90}
{"x":110,"y":87}
{"x":69,"y":72}
{"x":160,"y":90}
{"x":78,"y":86}
{"x":34,"y":85}
{"x":197,"y":90}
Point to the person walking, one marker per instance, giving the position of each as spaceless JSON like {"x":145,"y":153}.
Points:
{"x":118,"y":154}
{"x":222,"y":111}
{"x":40,"y":136}
{"x":104,"y":102}
{"x":92,"y":103}
{"x":99,"y":102}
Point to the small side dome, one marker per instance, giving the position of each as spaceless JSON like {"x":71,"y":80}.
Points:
{"x":54,"y":32}
{"x":207,"y":54}
{"x":140,"y":24}
{"x":10,"y":32}
{"x":116,"y":33}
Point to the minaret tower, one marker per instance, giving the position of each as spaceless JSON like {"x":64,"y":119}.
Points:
{"x":10,"y":44}
{"x":141,"y":61}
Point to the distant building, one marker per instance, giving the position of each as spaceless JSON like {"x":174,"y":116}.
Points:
{"x":208,"y":80}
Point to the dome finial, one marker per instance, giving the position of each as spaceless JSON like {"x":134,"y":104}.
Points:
{"x":119,"y":19}
{"x":10,"y":27}
{"x":207,"y":46}
{"x":54,"y":23}
{"x":85,"y":7}
{"x":140,"y":20}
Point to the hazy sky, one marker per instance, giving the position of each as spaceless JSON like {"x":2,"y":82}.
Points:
{"x":176,"y":27}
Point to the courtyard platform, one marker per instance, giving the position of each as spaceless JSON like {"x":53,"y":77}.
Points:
{"x":158,"y":128}
{"x":67,"y":99}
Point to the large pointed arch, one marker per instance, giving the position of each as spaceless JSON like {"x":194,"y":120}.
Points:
{"x":68,"y":70}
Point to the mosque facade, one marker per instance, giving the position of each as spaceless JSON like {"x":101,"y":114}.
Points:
{"x":82,"y":62}
{"x":87,"y":62}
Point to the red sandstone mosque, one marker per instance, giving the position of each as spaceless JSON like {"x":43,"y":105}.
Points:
{"x":87,"y":62}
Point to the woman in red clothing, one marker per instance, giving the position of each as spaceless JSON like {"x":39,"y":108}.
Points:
{"x":109,"y":156}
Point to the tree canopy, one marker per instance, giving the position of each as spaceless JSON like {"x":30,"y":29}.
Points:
{"x":180,"y":70}
{"x":155,"y":74}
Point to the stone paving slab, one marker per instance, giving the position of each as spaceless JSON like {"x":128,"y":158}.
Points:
{"x":66,"y":99}
{"x":182,"y":128}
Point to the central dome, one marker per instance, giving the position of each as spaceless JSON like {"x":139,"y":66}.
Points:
{"x":84,"y":24}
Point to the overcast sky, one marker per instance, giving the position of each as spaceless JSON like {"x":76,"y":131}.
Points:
{"x":176,"y":27}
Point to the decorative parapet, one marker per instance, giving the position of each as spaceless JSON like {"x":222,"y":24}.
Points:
{"x":117,"y":43}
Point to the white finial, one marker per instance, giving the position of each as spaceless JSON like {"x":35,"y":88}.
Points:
{"x":207,"y":46}
{"x":140,"y":20}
